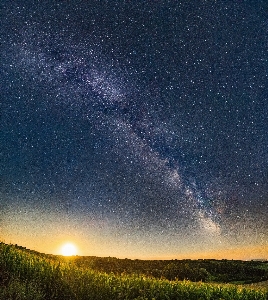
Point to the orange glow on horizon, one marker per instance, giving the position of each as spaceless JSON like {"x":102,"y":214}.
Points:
{"x":238,"y":253}
{"x":84,"y":247}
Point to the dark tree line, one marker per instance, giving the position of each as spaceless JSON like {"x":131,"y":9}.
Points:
{"x":194,"y":270}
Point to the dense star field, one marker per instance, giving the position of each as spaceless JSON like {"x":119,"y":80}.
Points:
{"x":135,"y":129}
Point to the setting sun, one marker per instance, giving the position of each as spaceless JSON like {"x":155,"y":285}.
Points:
{"x":68,"y":249}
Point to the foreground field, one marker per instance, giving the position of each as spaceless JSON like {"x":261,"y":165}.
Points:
{"x":28,"y":275}
{"x":263,"y":284}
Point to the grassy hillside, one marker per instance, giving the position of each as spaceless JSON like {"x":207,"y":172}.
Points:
{"x":30,"y":275}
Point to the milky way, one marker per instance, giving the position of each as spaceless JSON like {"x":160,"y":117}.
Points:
{"x":141,"y":127}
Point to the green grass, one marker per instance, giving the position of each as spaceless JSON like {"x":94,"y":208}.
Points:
{"x":27,"y":275}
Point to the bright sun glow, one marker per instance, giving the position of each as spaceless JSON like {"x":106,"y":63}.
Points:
{"x":68,"y":249}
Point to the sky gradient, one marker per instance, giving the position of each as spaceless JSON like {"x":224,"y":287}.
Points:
{"x":135,"y":129}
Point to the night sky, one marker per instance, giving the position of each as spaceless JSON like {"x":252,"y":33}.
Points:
{"x":135,"y":129}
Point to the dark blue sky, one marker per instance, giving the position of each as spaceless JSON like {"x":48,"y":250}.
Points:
{"x":136,"y":126}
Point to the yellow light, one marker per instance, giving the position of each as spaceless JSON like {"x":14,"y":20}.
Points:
{"x":68,"y":249}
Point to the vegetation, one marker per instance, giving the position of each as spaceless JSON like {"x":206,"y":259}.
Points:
{"x":207,"y":270}
{"x":26,"y":274}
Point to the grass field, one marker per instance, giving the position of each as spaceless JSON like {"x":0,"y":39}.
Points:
{"x":28,"y":275}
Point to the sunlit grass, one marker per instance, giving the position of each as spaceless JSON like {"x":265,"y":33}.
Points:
{"x":25,"y":275}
